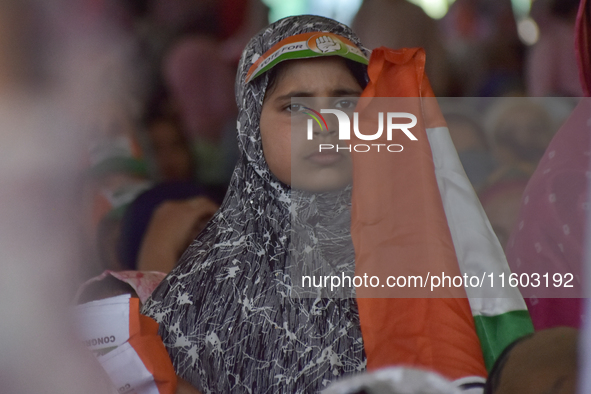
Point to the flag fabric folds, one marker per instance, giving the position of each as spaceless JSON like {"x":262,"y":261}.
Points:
{"x":417,"y":210}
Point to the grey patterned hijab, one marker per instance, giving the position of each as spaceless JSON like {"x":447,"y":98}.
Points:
{"x":227,"y":313}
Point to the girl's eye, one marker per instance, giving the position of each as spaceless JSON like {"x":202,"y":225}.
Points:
{"x":295,"y":108}
{"x":346,"y":104}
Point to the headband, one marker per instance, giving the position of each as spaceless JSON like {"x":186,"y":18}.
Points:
{"x":304,"y":46}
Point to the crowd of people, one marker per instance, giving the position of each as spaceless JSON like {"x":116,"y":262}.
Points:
{"x":177,"y":125}
{"x":186,"y":170}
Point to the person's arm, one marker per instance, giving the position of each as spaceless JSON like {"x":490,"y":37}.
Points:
{"x":172,"y":228}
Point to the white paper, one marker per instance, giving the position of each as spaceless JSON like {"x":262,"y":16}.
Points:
{"x":127,"y":371}
{"x":103,"y":324}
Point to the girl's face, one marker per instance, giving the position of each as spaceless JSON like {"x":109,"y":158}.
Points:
{"x":292,"y":158}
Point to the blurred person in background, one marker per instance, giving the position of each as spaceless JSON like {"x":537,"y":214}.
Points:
{"x":114,"y":169}
{"x":197,"y":64}
{"x":108,"y":233}
{"x":401,"y":24}
{"x":484,"y":50}
{"x":117,"y":174}
{"x":551,"y":68}
{"x":469,"y":139}
{"x":173,"y":227}
{"x":167,"y":145}
{"x":160,"y":224}
{"x":194,"y":47}
{"x":230,"y":21}
{"x":583,"y":44}
{"x":50,"y":56}
{"x":55,"y":60}
{"x":200,"y":84}
{"x":501,"y":202}
{"x":171,"y":150}
{"x":518,"y":130}
{"x":549,"y":236}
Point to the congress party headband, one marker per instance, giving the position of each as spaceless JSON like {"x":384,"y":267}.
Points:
{"x":303,"y":46}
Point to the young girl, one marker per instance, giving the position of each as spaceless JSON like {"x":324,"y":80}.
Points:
{"x":226,"y":313}
{"x":236,"y":315}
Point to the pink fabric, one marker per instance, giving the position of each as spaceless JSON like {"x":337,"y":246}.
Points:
{"x":550,"y":229}
{"x":583,"y":44}
{"x":143,"y":282}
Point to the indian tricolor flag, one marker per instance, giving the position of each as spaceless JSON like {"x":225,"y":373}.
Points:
{"x":415,"y":213}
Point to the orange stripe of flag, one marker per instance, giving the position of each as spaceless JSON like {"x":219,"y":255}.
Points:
{"x":399,"y":226}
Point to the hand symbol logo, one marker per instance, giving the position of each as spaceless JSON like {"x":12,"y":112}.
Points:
{"x":327,"y":44}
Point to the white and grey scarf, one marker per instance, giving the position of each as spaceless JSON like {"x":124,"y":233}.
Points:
{"x":228,"y":314}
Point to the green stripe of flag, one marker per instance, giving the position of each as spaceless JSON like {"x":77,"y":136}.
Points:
{"x":496,"y":332}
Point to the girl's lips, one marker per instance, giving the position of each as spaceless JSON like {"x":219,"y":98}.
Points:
{"x":325,"y":158}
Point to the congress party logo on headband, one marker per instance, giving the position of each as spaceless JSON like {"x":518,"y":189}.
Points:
{"x":303,"y":46}
{"x":324,"y":43}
